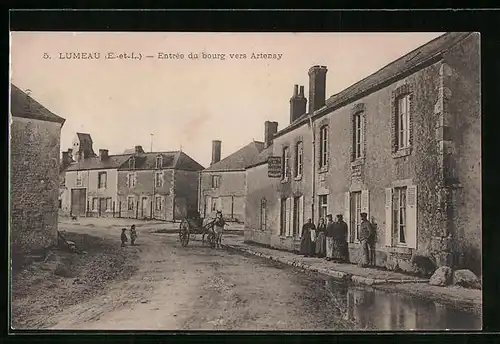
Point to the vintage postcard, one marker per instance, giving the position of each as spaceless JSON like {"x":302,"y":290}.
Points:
{"x":245,"y":181}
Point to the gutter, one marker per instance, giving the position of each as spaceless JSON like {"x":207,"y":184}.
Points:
{"x":313,"y":135}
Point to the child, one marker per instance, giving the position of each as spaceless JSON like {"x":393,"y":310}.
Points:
{"x":124,"y":237}
{"x":219,"y":228}
{"x":133,"y":235}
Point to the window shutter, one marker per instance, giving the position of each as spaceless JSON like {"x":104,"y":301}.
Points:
{"x":287,"y":217}
{"x":365,"y":203}
{"x":347,"y":209}
{"x":301,"y":214}
{"x":388,"y":217}
{"x":411,"y":212}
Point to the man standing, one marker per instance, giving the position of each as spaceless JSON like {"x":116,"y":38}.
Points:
{"x":342,"y":238}
{"x":330,"y":232}
{"x":365,"y":236}
{"x":219,"y":229}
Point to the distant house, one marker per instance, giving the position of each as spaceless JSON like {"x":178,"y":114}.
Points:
{"x":223,"y":184}
{"x":159,"y":185}
{"x":34,"y":173}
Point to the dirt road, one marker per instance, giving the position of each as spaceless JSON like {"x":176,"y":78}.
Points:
{"x":198,"y":288}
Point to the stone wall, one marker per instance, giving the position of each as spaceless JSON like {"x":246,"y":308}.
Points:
{"x":34,"y":183}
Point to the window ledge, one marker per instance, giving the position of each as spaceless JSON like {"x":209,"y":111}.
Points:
{"x":399,"y":249}
{"x":299,"y":177}
{"x":285,"y":180}
{"x":323,"y":169}
{"x":354,"y":244}
{"x":358,"y":162}
{"x":402,"y":153}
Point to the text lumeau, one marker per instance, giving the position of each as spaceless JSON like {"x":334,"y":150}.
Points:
{"x":170,"y":56}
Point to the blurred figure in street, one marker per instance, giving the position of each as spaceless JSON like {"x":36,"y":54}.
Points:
{"x":133,"y":235}
{"x":320,"y":239}
{"x":330,"y":232}
{"x":219,"y":228}
{"x":307,"y":240}
{"x":124,"y":237}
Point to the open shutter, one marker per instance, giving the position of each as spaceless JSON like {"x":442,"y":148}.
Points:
{"x":388,"y":217}
{"x":365,"y":203}
{"x":287,"y":217}
{"x":347,"y":210}
{"x":411,"y":213}
{"x":301,"y":214}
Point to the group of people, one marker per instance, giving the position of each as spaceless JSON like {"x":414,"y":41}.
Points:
{"x":133,"y":236}
{"x":329,"y":240}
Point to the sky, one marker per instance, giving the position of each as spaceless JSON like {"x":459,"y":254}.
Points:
{"x":186,"y":103}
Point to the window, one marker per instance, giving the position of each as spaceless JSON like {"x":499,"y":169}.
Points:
{"x":131,"y":163}
{"x":60,"y":203}
{"x":159,"y":161}
{"x":158,"y":179}
{"x":215,"y":182}
{"x":78,"y":178}
{"x":263,"y":214}
{"x":131,"y":202}
{"x":323,"y":148}
{"x":323,"y":206}
{"x":158,"y":203}
{"x":285,"y":225}
{"x":102,"y":179}
{"x":131,"y":179}
{"x":298,"y":215}
{"x":355,"y":216}
{"x":214,"y":204}
{"x":358,"y":135}
{"x":109,"y":204}
{"x":299,"y":154}
{"x":285,"y":168}
{"x":402,"y":121}
{"x":95,"y":203}
{"x":399,"y":214}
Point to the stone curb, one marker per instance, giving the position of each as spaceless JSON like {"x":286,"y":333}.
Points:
{"x":339,"y":275}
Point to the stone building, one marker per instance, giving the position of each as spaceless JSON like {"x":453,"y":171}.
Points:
{"x":35,"y":134}
{"x":159,"y":185}
{"x":403,"y":145}
{"x":223,"y":184}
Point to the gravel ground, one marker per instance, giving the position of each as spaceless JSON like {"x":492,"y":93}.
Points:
{"x":56,"y":279}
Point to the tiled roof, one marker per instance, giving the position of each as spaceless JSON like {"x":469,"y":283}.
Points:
{"x":145,"y":161}
{"x":240,"y":159}
{"x":418,"y":57}
{"x":23,"y":105}
{"x":261,"y":158}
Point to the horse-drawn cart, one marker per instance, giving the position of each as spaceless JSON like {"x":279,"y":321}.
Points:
{"x":192,"y":225}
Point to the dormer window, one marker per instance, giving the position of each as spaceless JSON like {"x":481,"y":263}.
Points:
{"x":131,"y":163}
{"x":159,"y":161}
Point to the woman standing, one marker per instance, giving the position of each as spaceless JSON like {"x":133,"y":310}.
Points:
{"x":321,"y":240}
{"x":306,"y":242}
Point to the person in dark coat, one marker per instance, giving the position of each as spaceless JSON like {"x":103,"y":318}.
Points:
{"x":124,"y":237}
{"x":306,"y":242}
{"x":133,"y":235}
{"x":342,"y":231}
{"x":320,"y":239}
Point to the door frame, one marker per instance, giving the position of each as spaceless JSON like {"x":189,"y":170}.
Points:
{"x":80,"y":206}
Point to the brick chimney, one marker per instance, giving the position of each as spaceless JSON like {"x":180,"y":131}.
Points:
{"x":103,"y":154}
{"x":216,"y":149}
{"x":70,"y":153}
{"x":66,"y":159}
{"x":317,"y":87}
{"x":270,"y":128}
{"x":297,"y":103}
{"x":139,"y":150}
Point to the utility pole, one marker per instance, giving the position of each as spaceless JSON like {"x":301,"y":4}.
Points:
{"x":151,"y":147}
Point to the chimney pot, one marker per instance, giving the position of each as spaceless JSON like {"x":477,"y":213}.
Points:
{"x":103,"y":154}
{"x":295,"y":90}
{"x":216,"y":151}
{"x":270,"y":129}
{"x":301,"y":92}
{"x":139,"y":150}
{"x":297,"y":104}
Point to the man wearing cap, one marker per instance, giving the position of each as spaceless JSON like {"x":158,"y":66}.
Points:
{"x":365,"y":235}
{"x":330,"y":232}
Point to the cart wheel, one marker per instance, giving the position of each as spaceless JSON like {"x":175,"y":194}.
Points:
{"x":184,"y":233}
{"x":211,"y":239}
